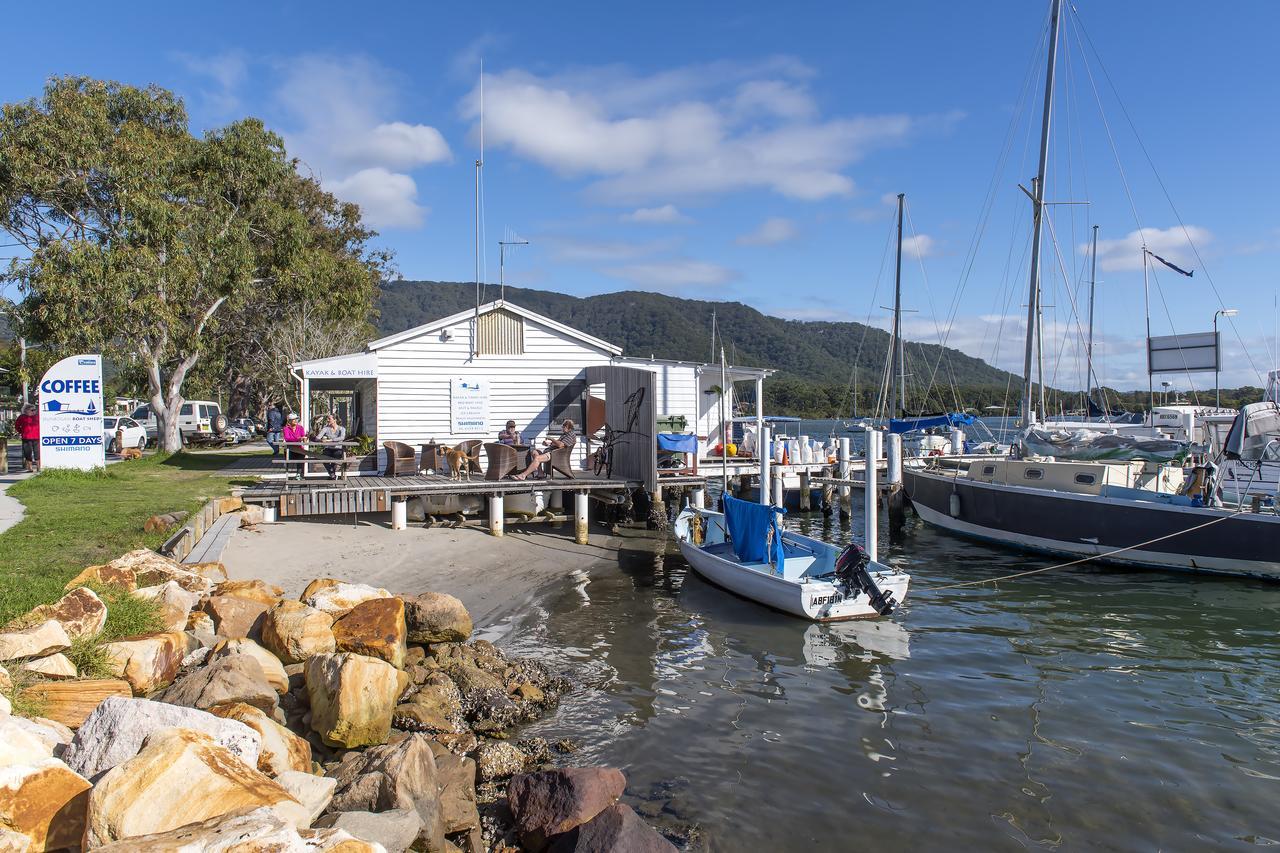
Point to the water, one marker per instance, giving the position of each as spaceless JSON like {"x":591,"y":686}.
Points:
{"x":1100,"y":709}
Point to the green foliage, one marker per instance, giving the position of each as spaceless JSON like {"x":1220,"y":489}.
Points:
{"x":24,"y":704}
{"x":127,"y":615}
{"x":90,"y":658}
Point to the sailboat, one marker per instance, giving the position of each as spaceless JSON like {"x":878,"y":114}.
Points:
{"x":1134,"y":511}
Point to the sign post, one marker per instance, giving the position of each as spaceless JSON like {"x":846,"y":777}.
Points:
{"x":469,"y":406}
{"x":71,"y":414}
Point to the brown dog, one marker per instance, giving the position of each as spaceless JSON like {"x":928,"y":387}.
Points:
{"x":126,"y":452}
{"x":459,"y":463}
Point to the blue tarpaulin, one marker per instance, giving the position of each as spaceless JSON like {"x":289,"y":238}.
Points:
{"x":753,"y":528}
{"x":678,"y":441}
{"x":951,"y":419}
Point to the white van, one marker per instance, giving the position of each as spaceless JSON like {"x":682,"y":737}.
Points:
{"x":200,"y":419}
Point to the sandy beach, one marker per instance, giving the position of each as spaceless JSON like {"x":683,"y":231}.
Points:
{"x":492,"y":576}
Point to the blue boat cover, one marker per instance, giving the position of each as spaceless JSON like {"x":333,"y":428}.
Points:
{"x":678,"y":441}
{"x":750,"y":527}
{"x":951,"y":419}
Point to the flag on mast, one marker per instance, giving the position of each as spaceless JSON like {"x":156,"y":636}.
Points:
{"x":1171,"y":266}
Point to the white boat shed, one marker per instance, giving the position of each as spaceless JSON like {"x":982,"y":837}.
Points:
{"x":464,"y":376}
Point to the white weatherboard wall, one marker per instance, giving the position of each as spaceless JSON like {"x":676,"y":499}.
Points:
{"x":414,"y":378}
{"x":675,"y":386}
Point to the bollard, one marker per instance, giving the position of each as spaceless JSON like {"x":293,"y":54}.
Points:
{"x":957,"y":442}
{"x":698,"y":500}
{"x":842,"y":471}
{"x":766,"y":460}
{"x":805,"y":502}
{"x":497,"y":514}
{"x":778,"y":490}
{"x":580,"y":502}
{"x":871,"y":522}
{"x":893,"y":451}
{"x":399,"y":514}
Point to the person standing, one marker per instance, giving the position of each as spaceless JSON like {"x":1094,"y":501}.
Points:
{"x":28,"y":427}
{"x":275,"y":423}
{"x":332,"y":432}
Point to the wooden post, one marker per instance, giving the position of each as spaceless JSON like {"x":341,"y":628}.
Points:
{"x":399,"y":514}
{"x":580,"y":518}
{"x":744,"y":486}
{"x":842,"y":471}
{"x":778,"y":491}
{"x":893,"y":452}
{"x":497,"y":514}
{"x":896,"y":502}
{"x":805,"y":503}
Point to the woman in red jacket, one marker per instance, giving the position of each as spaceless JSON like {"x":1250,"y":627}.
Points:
{"x":28,"y":427}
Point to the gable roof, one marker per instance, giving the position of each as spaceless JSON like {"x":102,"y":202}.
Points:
{"x":435,"y":325}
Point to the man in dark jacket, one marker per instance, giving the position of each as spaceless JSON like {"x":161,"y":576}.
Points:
{"x":275,"y":423}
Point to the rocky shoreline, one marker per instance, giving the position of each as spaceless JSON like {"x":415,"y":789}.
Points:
{"x":350,"y":719}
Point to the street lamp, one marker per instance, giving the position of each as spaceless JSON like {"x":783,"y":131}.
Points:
{"x":1167,"y":386}
{"x":1217,"y":392}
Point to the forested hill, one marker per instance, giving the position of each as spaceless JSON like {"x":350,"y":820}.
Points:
{"x":652,"y":324}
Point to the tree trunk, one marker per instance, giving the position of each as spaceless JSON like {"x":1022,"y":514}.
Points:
{"x":166,"y":402}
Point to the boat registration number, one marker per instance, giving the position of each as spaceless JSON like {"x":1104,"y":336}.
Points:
{"x":833,"y":598}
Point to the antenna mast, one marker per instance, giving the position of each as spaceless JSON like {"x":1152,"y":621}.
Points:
{"x":502,"y":261}
{"x":475,"y":333}
{"x":898,"y":384}
{"x":1088,"y":350}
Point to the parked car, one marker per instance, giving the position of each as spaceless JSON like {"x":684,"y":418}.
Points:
{"x":249,"y":425}
{"x":235,"y":434}
{"x":197,"y":420}
{"x":134,"y":434}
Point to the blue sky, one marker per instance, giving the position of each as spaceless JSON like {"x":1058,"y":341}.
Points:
{"x":752,"y":151}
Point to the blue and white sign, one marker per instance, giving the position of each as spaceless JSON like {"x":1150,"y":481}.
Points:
{"x":71,"y":414}
{"x":469,"y":406}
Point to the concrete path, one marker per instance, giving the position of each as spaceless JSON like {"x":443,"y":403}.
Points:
{"x":11,"y":509}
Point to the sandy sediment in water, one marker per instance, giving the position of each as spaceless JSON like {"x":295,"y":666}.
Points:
{"x":493,"y":576}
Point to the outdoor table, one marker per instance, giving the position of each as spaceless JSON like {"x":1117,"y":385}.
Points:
{"x":310,"y":454}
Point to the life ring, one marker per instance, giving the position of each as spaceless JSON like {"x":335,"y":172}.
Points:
{"x":935,"y":452}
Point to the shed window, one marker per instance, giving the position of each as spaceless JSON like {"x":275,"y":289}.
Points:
{"x":1086,"y":479}
{"x":988,"y":470}
{"x":500,"y":332}
{"x":568,"y":400}
{"x":1033,"y":474}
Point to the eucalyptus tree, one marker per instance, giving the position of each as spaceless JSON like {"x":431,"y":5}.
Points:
{"x":143,"y":240}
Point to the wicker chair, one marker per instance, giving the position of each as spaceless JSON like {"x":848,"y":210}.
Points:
{"x":561,"y":461}
{"x":471,"y":449}
{"x":503,"y":460}
{"x":401,"y":459}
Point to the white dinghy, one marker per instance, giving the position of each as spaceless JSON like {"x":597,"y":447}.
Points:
{"x":746,"y":552}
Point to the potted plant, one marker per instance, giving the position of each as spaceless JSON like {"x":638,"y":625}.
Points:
{"x":367,"y":452}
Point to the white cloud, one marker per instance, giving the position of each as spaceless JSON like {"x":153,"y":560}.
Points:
{"x":917,"y":246}
{"x":578,"y":250}
{"x":674,"y":274}
{"x":690,"y":131}
{"x":771,"y":232}
{"x":666,"y":214}
{"x":227,"y":71}
{"x":341,"y":112}
{"x":1125,"y":253}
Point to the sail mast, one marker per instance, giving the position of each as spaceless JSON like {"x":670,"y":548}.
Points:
{"x":1088,"y":350}
{"x":898,"y":382}
{"x":1037,"y":201}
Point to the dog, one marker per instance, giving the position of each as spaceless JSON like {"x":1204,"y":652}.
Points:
{"x":459,"y":463}
{"x":126,"y":452}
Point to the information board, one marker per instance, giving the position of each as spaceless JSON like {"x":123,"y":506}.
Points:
{"x":469,"y":406}
{"x":71,"y":414}
{"x":1190,"y":353}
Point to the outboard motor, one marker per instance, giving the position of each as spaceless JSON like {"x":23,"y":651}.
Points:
{"x":851,"y":569}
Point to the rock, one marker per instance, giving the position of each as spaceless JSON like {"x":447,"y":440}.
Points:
{"x":436,"y":707}
{"x":213,"y":570}
{"x":196,"y":656}
{"x":230,"y":504}
{"x":434,"y":617}
{"x":536,"y":748}
{"x":52,"y":734}
{"x":336,"y":597}
{"x":158,"y":523}
{"x":457,"y":779}
{"x":395,"y":830}
{"x":6,"y":682}
{"x":46,"y":638}
{"x":234,"y":616}
{"x":81,"y":613}
{"x":294,"y":632}
{"x":281,"y":750}
{"x":375,"y":628}
{"x":118,"y":727}
{"x":151,"y":569}
{"x":19,"y":746}
{"x":180,"y":777}
{"x":497,"y":759}
{"x":352,"y":697}
{"x":56,"y":667}
{"x":530,"y":692}
{"x":272,"y":669}
{"x":45,"y":802}
{"x":313,"y":792}
{"x":617,"y":829}
{"x":6,"y":707}
{"x":70,"y":702}
{"x":247,"y":830}
{"x":235,"y":678}
{"x":252,"y":515}
{"x":175,"y":603}
{"x":106,"y":576}
{"x":394,"y":776}
{"x":148,"y":662}
{"x":254,"y":590}
{"x":14,"y":842}
{"x":200,"y":622}
{"x":459,"y":744}
{"x":555,"y":801}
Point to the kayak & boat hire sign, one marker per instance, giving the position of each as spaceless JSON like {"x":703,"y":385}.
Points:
{"x":71,"y":414}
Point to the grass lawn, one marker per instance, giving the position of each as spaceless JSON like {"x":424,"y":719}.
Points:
{"x":76,"y":519}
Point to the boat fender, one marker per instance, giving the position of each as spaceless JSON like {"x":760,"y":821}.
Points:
{"x":851,"y":569}
{"x":954,"y":505}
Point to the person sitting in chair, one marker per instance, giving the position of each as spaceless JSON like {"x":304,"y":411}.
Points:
{"x":332,"y":432}
{"x":510,"y":435}
{"x":566,"y":439}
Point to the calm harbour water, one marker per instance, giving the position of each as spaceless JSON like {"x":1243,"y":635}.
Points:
{"x":1101,"y":709}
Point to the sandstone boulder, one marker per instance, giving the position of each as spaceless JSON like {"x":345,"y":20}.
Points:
{"x":272,"y":669}
{"x":394,"y":776}
{"x":52,"y":734}
{"x":6,"y":681}
{"x":14,"y":842}
{"x":294,"y":632}
{"x":254,"y":590}
{"x":281,"y":750}
{"x":159,"y":523}
{"x":395,"y":829}
{"x":248,"y":830}
{"x":235,"y":678}
{"x":148,"y":662}
{"x":200,"y":622}
{"x":118,"y":727}
{"x":175,"y":603}
{"x":352,"y":697}
{"x":436,"y":707}
{"x":214,"y":570}
{"x":106,"y":576}
{"x":46,"y":638}
{"x":56,"y":667}
{"x":556,"y":801}
{"x":45,"y":802}
{"x":152,"y":569}
{"x":180,"y":777}
{"x":435,"y":617}
{"x":230,"y":504}
{"x":19,"y":746}
{"x":375,"y":628}
{"x":336,"y":597}
{"x":70,"y":702}
{"x":457,"y":779}
{"x":234,"y":616}
{"x":313,"y":792}
{"x":81,"y":613}
{"x":252,"y":515}
{"x":498,"y":759}
{"x":6,"y":707}
{"x":617,"y":829}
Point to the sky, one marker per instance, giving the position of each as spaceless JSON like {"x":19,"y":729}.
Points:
{"x":753,"y":151}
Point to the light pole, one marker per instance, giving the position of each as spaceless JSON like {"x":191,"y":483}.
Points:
{"x":1217,"y":355}
{"x":1166,"y":385}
